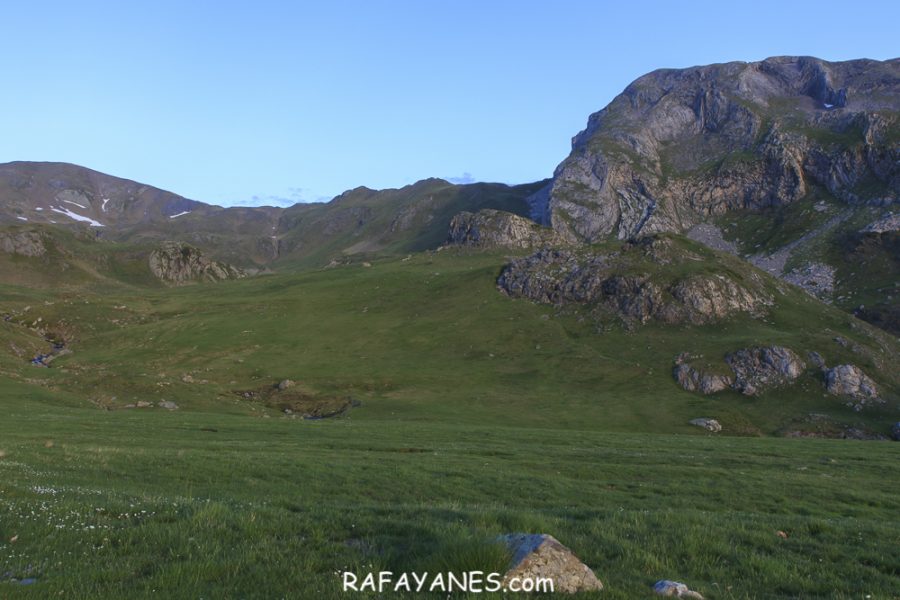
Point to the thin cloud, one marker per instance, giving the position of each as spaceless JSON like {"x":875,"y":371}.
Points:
{"x":462,"y":179}
{"x":295,"y":195}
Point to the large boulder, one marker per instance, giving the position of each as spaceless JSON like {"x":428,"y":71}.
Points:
{"x":179,"y":263}
{"x":851,"y":382}
{"x":542,"y":556}
{"x":760,"y":368}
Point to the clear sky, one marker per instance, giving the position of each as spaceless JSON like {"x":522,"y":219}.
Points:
{"x":276,"y":102}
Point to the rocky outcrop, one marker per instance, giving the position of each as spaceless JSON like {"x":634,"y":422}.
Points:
{"x":886,"y":224}
{"x":490,"y":228}
{"x":681,"y":145}
{"x":697,"y":380}
{"x":707,"y":424}
{"x":179,"y":263}
{"x":760,"y":368}
{"x":542,"y":556}
{"x":634,"y":283}
{"x":851,"y":382}
{"x":23,"y":243}
{"x":708,"y":298}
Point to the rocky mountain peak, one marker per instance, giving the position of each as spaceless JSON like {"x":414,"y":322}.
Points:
{"x":681,"y":145}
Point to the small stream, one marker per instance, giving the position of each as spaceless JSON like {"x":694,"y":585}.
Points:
{"x":58,"y":349}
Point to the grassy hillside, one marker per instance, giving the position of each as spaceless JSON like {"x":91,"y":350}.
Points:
{"x":474,"y":415}
{"x":388,"y":222}
{"x":431,"y":338}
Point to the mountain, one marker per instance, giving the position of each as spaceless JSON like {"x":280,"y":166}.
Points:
{"x":360,"y":221}
{"x":62,"y":193}
{"x":788,"y":162}
{"x":232,"y":402}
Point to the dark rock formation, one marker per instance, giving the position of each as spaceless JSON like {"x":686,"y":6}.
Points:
{"x":631,"y":284}
{"x":760,"y":368}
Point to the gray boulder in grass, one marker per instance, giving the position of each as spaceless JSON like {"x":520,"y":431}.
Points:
{"x":675,"y":589}
{"x":708,"y":424}
{"x":543,"y":556}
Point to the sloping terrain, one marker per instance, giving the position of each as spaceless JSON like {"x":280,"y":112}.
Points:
{"x":434,"y":337}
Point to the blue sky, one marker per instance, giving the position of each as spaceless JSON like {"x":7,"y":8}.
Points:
{"x":276,"y":102}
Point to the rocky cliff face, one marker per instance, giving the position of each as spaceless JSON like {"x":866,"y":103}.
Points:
{"x":679,"y":146}
{"x":178,"y":263}
{"x":490,"y":228}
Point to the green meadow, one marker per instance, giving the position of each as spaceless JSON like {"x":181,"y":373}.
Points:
{"x":473,"y":415}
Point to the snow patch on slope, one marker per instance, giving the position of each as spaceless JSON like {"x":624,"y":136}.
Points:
{"x":76,"y":216}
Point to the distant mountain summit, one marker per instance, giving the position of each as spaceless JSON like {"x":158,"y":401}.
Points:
{"x":62,"y":193}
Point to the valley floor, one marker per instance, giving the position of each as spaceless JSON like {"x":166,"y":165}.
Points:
{"x":191,"y":505}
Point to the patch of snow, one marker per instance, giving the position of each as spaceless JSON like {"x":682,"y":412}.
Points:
{"x":76,"y":204}
{"x":77,"y":217}
{"x":39,"y":208}
{"x":181,"y":214}
{"x":103,"y":208}
{"x":22,"y":218}
{"x":828,"y":105}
